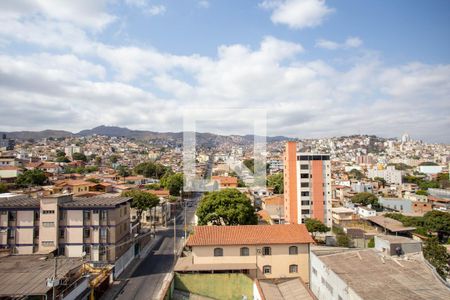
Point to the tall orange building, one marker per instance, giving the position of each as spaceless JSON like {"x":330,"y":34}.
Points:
{"x":307,"y":186}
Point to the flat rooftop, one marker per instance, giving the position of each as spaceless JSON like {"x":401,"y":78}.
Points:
{"x":27,"y":274}
{"x":374,"y":276}
{"x":390,"y":224}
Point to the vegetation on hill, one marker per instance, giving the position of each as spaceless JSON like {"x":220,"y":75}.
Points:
{"x":276,"y":182}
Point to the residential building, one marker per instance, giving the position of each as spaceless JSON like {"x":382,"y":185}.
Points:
{"x":365,"y":212}
{"x":98,"y":226}
{"x":344,"y":274}
{"x":6,"y":144}
{"x":397,"y":204}
{"x":397,"y":245}
{"x":307,"y":186}
{"x":342,"y":215}
{"x":390,"y":174}
{"x":274,"y":206}
{"x":261,"y":251}
{"x":226,"y":181}
{"x":9,"y":173}
{"x":430,"y":169}
{"x":70,"y":150}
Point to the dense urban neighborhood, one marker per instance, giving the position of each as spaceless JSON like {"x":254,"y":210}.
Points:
{"x":111,"y":216}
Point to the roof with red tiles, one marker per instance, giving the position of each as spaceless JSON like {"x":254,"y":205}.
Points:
{"x":250,"y":235}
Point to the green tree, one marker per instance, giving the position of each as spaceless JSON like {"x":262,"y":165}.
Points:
{"x":371,"y":243}
{"x":151,"y":169}
{"x":62,"y":159}
{"x":438,"y":221}
{"x":114,"y":159}
{"x":276,"y":182}
{"x":153,"y":186}
{"x":174,"y":183}
{"x":226,"y":207}
{"x":342,"y":239}
{"x":314,"y":226}
{"x":437,"y":255}
{"x":365,"y":199}
{"x":3,"y":188}
{"x":123,"y":171}
{"x":356,"y":174}
{"x":60,"y":153}
{"x":98,"y":161}
{"x":381,"y":181}
{"x":141,"y":201}
{"x":31,"y":177}
{"x":422,"y":193}
{"x":79,"y":156}
{"x":93,"y":180}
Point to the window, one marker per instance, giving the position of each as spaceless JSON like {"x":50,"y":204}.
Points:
{"x":3,"y":212}
{"x":304,"y":167}
{"x":305,"y":212}
{"x":62,"y":232}
{"x":86,"y":215}
{"x":293,"y":250}
{"x":305,"y":194}
{"x":103,"y":215}
{"x":62,"y":215}
{"x":103,"y":232}
{"x":87,"y":249}
{"x":11,"y":233}
{"x":95,"y":211}
{"x":304,"y":175}
{"x":48,"y":224}
{"x":305,"y":202}
{"x":86,"y":233}
{"x":267,"y":251}
{"x":304,"y":184}
{"x":293,"y":269}
{"x":48,"y":243}
{"x":267,"y":269}
{"x":218,"y":252}
{"x":48,"y":212}
{"x":12,"y":215}
{"x":245,"y":251}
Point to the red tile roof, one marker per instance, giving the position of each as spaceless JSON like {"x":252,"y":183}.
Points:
{"x":250,"y":235}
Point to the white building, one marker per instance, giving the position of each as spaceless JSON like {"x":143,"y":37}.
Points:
{"x":390,"y":174}
{"x":430,"y":169}
{"x":365,"y":212}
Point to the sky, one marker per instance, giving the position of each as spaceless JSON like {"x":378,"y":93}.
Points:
{"x":310,"y":68}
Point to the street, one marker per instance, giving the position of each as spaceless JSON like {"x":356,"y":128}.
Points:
{"x":147,"y":280}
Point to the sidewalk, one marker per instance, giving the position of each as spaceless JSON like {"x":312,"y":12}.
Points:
{"x":121,"y":281}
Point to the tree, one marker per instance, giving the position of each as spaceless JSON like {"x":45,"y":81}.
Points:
{"x":226,"y":207}
{"x":141,"y":201}
{"x":151,"y":170}
{"x":62,"y":159}
{"x":79,"y":156}
{"x":342,"y":239}
{"x":371,"y":243}
{"x":381,"y":181}
{"x":31,"y":177}
{"x":314,"y":226}
{"x":93,"y":180}
{"x":365,"y":199}
{"x":174,"y":183}
{"x":276,"y":182}
{"x":438,"y":221}
{"x":422,"y":193}
{"x":437,"y":255}
{"x":114,"y":159}
{"x":3,"y":188}
{"x":356,"y":174}
{"x":60,"y":153}
{"x":123,"y":171}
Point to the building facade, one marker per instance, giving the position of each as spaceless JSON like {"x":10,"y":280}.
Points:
{"x":261,"y":251}
{"x":307,"y":186}
{"x":98,"y":227}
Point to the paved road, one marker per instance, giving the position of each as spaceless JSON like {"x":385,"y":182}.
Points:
{"x":147,"y":280}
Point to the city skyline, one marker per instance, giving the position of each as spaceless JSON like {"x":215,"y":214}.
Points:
{"x":320,"y":68}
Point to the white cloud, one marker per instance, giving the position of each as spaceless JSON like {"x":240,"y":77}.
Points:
{"x":155,"y":10}
{"x":90,"y":83}
{"x":350,"y":42}
{"x":297,"y":14}
{"x":85,"y":13}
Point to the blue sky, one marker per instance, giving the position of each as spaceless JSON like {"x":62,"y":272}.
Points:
{"x":319,"y":68}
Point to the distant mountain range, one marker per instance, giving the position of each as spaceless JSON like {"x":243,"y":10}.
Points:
{"x":204,"y":139}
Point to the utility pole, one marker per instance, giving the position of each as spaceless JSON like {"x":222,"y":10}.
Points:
{"x":55,"y":267}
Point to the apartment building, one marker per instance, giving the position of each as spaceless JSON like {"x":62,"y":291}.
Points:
{"x":390,"y":174}
{"x":261,"y":251}
{"x":97,"y":226}
{"x":307,"y":186}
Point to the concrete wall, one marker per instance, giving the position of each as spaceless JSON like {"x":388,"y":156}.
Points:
{"x":327,"y":285}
